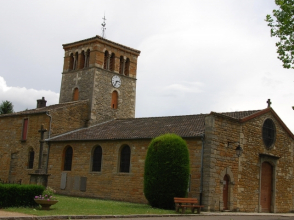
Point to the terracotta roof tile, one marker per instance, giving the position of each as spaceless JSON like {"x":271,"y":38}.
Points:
{"x":141,"y":128}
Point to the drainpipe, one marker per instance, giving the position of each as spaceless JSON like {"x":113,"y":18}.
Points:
{"x":201,"y":169}
{"x":49,"y":134}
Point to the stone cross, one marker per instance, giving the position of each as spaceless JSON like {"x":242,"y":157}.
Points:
{"x":77,"y":79}
{"x":268,"y":103}
{"x":42,"y":131}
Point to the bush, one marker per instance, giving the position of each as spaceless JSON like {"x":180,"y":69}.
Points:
{"x":14,"y":195}
{"x":167,"y":170}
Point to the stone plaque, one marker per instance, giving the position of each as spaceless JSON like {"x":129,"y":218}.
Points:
{"x":63,"y":181}
{"x":83,"y":183}
{"x":77,"y":183}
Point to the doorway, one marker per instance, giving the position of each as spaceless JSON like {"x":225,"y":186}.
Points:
{"x":266,"y":187}
{"x":226,"y":192}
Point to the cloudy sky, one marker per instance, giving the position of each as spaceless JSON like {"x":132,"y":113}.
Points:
{"x":196,"y":56}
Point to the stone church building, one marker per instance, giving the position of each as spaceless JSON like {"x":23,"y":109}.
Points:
{"x":91,"y":144}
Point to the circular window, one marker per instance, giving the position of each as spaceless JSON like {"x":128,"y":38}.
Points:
{"x":268,"y":132}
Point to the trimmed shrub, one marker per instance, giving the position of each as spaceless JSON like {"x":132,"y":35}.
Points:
{"x":167,"y":170}
{"x":14,"y":195}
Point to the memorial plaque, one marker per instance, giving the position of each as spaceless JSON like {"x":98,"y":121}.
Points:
{"x":77,"y":183}
{"x":63,"y":181}
{"x":83,"y":183}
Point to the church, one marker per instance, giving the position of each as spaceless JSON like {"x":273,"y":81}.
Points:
{"x":91,"y":145}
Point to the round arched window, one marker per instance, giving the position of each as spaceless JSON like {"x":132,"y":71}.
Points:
{"x":268,"y":133}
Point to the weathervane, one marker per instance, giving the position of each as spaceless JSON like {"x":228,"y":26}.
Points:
{"x":103,"y":27}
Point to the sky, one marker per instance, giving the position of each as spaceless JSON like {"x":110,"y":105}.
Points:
{"x":196,"y":56}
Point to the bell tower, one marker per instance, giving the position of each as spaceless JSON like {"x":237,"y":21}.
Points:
{"x":102,"y":72}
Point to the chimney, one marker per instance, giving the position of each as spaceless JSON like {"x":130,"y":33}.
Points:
{"x":41,"y":103}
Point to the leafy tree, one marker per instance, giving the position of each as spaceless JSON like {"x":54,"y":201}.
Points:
{"x":6,"y":107}
{"x":282,"y":26}
{"x":167,"y":170}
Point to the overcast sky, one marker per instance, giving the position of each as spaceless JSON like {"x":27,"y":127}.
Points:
{"x":196,"y":56}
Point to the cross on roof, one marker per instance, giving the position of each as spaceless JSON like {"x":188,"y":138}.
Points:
{"x":268,"y":103}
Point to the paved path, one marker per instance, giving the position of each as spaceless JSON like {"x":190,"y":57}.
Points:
{"x":204,"y":215}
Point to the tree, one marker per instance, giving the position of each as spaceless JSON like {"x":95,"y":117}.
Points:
{"x":167,"y":171}
{"x":6,"y":107}
{"x":283,"y":27}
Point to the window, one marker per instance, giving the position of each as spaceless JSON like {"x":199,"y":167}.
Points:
{"x":71,"y":62}
{"x":25,"y":129}
{"x":31,"y":158}
{"x":268,"y":133}
{"x":121,"y":65}
{"x":112,"y":62}
{"x":82,"y":60}
{"x":87,"y":60}
{"x":127,"y":67}
{"x":125,"y":156}
{"x":75,"y":64}
{"x":68,"y":158}
{"x":114,"y":99}
{"x":106,"y":58}
{"x":75,"y":94}
{"x":96,"y":159}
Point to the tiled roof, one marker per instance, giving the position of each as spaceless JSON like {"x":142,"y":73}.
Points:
{"x":238,"y":115}
{"x":101,"y":38}
{"x":42,"y":110}
{"x":141,"y":128}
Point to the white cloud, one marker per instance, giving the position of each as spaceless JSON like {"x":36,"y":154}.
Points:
{"x":23,"y":98}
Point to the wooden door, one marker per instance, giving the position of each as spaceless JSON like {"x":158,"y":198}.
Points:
{"x":226,"y":191}
{"x":266,"y":187}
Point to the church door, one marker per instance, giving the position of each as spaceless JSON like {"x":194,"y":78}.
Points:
{"x":266,"y":187}
{"x":226,"y":191}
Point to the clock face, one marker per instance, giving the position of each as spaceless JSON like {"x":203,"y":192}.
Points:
{"x":116,"y":82}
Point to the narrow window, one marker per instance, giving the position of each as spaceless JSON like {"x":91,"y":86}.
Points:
{"x":268,"y":133}
{"x":96,"y":160}
{"x":87,"y":61}
{"x":112,"y":62}
{"x":25,"y":129}
{"x":121,"y":65}
{"x":31,"y":159}
{"x":125,"y":156}
{"x":71,"y":62}
{"x":68,"y":159}
{"x":127,"y":67}
{"x":75,"y":61}
{"x":76,"y":94}
{"x":114,"y":99}
{"x":82,"y":60}
{"x":106,"y":56}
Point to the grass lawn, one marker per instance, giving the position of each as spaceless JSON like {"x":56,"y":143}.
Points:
{"x":86,"y":206}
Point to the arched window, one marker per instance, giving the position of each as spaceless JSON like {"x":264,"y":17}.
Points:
{"x":121,"y":65}
{"x":75,"y":94}
{"x":106,"y":58}
{"x":125,"y":156}
{"x":71,"y":62}
{"x":112,"y":62}
{"x":76,"y":58}
{"x":82,"y":60}
{"x":97,"y":159}
{"x":127,"y":67}
{"x":68,"y":153}
{"x":114,"y":99}
{"x":87,"y":61}
{"x":31,"y":158}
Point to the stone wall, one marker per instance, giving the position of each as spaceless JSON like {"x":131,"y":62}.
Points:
{"x":110,"y":183}
{"x":245,"y":171}
{"x":94,"y":84}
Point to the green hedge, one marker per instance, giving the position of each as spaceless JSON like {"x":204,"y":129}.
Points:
{"x":167,"y":170}
{"x":14,"y":195}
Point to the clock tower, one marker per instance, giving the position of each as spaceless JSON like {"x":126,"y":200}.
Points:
{"x":102,"y":72}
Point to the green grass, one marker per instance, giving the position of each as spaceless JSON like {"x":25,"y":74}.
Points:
{"x":88,"y":206}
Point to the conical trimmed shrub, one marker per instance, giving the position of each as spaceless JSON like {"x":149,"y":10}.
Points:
{"x":167,"y":170}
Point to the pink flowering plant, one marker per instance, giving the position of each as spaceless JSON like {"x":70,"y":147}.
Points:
{"x":48,"y":194}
